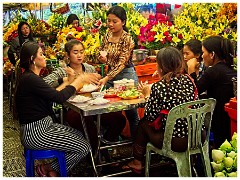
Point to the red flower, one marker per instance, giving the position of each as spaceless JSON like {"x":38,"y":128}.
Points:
{"x":94,"y":30}
{"x":180,"y":36}
{"x":79,"y":29}
{"x":169,"y":38}
{"x":166,"y":33}
{"x":98,"y":23}
{"x":163,"y":41}
{"x":150,"y":39}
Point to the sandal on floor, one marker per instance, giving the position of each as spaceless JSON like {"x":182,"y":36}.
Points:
{"x":134,"y":170}
{"x":52,"y":174}
{"x":39,"y":171}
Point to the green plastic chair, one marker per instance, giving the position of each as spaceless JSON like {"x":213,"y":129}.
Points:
{"x":195,"y":118}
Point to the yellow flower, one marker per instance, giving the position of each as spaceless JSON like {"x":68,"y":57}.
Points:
{"x":159,"y":36}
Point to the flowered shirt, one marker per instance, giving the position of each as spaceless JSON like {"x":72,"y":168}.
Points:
{"x":119,"y":54}
{"x":166,"y":96}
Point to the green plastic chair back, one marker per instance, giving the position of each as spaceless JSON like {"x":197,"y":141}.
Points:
{"x":201,"y":113}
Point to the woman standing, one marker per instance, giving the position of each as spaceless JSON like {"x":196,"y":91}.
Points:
{"x":73,"y":20}
{"x":119,"y":46}
{"x":33,"y":101}
{"x":24,"y":34}
{"x":218,"y":54}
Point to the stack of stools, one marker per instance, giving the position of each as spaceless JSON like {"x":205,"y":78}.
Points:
{"x":231,"y":108}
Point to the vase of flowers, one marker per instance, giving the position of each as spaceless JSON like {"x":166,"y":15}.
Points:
{"x":156,"y":35}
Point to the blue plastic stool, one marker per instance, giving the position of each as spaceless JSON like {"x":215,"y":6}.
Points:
{"x":31,"y":155}
{"x":211,"y":138}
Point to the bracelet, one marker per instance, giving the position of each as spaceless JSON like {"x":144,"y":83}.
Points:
{"x":146,"y":98}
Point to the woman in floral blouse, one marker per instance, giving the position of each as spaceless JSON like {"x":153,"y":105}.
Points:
{"x":119,"y":46}
{"x":173,"y":89}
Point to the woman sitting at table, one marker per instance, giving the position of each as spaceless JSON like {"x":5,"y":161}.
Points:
{"x":218,"y":54}
{"x":173,"y":89}
{"x":114,"y":126}
{"x":33,"y":101}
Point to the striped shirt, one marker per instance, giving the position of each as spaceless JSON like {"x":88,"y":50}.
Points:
{"x":55,"y":78}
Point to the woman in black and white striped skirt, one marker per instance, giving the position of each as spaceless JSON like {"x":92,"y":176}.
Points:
{"x":33,"y":103}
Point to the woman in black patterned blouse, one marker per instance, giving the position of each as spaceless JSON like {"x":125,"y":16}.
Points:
{"x":173,"y":89}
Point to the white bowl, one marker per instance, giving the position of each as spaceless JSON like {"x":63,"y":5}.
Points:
{"x":97,"y":94}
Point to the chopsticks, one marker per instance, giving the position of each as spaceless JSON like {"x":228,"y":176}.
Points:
{"x":102,"y":87}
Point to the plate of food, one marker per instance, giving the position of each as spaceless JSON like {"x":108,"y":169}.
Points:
{"x":88,"y":88}
{"x":128,"y":97}
{"x":129,"y":94}
{"x":110,"y":93}
{"x":99,"y":101}
{"x":79,"y":99}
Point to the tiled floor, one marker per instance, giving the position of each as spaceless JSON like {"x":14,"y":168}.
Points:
{"x":14,"y":162}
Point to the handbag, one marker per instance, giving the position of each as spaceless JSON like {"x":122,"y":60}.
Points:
{"x":157,"y":123}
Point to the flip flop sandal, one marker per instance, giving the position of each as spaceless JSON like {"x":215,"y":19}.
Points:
{"x":134,"y":170}
{"x":39,"y":171}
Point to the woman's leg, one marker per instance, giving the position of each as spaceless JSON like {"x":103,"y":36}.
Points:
{"x":133,"y":118}
{"x":44,"y":134}
{"x":114,"y":123}
{"x":74,"y":120}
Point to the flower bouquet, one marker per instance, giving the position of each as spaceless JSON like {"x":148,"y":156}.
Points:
{"x":134,"y":21}
{"x":225,"y":159}
{"x":200,"y":20}
{"x":39,"y":27}
{"x":96,"y":22}
{"x":10,"y":31}
{"x":7,"y":67}
{"x":156,"y":35}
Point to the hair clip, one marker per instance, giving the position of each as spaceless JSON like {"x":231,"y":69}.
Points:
{"x":231,"y":55}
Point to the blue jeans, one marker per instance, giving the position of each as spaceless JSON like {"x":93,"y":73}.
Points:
{"x":132,"y":114}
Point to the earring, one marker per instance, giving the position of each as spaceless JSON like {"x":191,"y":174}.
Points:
{"x":34,"y":63}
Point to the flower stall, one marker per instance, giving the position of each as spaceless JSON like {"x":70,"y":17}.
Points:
{"x":196,"y":20}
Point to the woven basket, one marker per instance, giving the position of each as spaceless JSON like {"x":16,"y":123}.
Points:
{"x":61,"y":10}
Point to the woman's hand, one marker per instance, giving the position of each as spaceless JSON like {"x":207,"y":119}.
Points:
{"x":193,"y":65}
{"x":71,"y":74}
{"x":103,"y":81}
{"x":92,"y":78}
{"x":145,"y":88}
{"x":102,"y":59}
{"x":155,"y":74}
